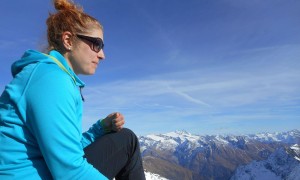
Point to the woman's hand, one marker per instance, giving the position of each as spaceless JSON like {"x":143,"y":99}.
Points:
{"x":113,"y":122}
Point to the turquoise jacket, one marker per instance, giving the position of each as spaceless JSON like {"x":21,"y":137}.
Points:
{"x":40,"y":122}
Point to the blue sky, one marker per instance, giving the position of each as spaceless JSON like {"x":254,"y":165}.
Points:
{"x":207,"y":67}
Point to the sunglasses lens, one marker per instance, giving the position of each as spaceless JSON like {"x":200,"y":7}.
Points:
{"x":97,"y":43}
{"x":98,"y":46}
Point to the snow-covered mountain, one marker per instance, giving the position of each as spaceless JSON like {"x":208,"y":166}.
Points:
{"x":282,"y":164}
{"x":182,"y":155}
{"x":171,"y":140}
{"x":290,"y":137}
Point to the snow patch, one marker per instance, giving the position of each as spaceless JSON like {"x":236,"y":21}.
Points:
{"x":152,"y":176}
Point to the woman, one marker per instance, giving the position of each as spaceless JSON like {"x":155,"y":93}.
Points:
{"x":41,"y":110}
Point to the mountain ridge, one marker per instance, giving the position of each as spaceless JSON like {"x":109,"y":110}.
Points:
{"x":209,"y":156}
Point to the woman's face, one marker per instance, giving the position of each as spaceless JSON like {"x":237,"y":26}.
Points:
{"x":82,"y":57}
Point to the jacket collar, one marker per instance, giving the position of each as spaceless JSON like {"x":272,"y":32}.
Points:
{"x":64,"y":62}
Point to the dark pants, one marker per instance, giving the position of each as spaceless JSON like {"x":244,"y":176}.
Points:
{"x":117,"y":155}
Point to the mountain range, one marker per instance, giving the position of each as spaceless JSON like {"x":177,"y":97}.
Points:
{"x":182,"y":155}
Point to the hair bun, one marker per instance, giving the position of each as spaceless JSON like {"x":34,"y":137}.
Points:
{"x":61,"y":5}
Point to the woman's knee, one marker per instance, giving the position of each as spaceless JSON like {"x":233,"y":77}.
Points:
{"x":128,"y":132}
{"x":131,"y":137}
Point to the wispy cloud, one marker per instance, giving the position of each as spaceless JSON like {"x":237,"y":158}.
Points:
{"x":260,"y":89}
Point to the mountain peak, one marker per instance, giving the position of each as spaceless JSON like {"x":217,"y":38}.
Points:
{"x":178,"y":133}
{"x":181,"y":132}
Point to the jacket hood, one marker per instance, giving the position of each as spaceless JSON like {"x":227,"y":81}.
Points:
{"x":29,"y":57}
{"x":32,"y":56}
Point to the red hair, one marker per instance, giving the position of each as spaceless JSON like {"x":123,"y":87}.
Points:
{"x":69,"y":17}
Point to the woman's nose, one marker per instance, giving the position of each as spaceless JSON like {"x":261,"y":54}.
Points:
{"x":101,"y":55}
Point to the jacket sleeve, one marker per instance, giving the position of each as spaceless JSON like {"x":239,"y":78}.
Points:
{"x":94,"y":132}
{"x":52,"y":118}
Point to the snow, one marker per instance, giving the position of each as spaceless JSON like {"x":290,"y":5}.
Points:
{"x":152,"y":176}
{"x":255,"y":170}
{"x":279,"y":165}
{"x":221,"y":140}
{"x":156,"y":138}
{"x":296,"y":149}
{"x":182,"y":135}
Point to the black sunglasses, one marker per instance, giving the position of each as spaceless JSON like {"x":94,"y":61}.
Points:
{"x":97,"y":43}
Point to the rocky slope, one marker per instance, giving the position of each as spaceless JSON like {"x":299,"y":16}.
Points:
{"x":282,"y":164}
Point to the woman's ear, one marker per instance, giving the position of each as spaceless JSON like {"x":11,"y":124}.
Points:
{"x":67,"y":40}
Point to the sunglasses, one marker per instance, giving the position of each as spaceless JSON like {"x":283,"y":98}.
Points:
{"x":97,"y":43}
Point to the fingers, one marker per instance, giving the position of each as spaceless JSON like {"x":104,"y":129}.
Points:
{"x":117,"y":127}
{"x":118,"y":121}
